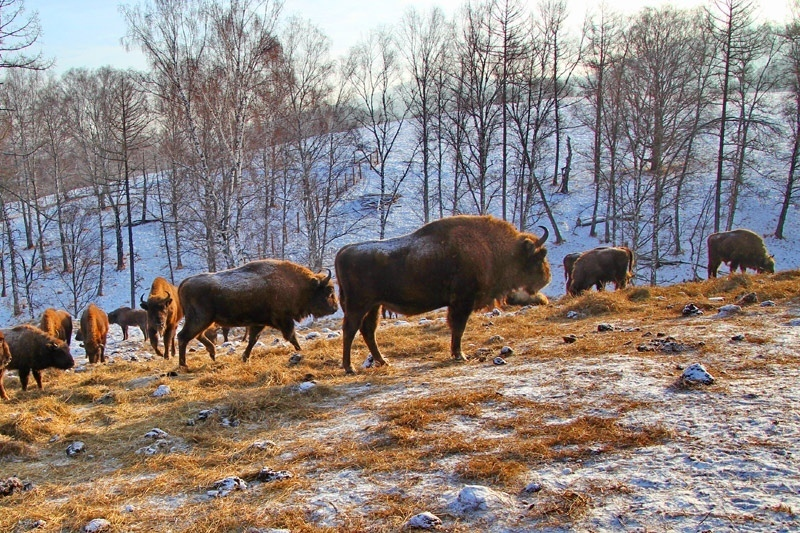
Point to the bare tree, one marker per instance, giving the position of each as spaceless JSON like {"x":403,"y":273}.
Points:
{"x":80,"y":280}
{"x":18,"y":32}
{"x":375,"y":73}
{"x":790,"y":69}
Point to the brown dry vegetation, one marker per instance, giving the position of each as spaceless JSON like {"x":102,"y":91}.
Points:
{"x":423,"y":421}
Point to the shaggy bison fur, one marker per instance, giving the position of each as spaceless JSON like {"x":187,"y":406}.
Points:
{"x":5,"y":358}
{"x":94,"y":332}
{"x":125,"y":317}
{"x":600,"y":266}
{"x":58,"y":323}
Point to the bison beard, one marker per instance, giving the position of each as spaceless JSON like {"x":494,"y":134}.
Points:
{"x":462,"y":263}
{"x":164,"y":311}
{"x":256,"y":295}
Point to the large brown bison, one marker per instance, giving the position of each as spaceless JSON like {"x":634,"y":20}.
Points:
{"x":125,"y":317}
{"x":600,"y":266}
{"x":740,"y":248}
{"x":164,"y":311}
{"x":58,"y":323}
{"x":93,"y":333}
{"x":5,"y":358}
{"x":33,"y":350}
{"x":256,"y":295}
{"x":462,"y":263}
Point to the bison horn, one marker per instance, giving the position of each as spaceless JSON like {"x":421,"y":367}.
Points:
{"x":328,"y":278}
{"x":542,"y":240}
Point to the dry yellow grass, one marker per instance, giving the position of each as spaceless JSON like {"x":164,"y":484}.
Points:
{"x":400,"y":422}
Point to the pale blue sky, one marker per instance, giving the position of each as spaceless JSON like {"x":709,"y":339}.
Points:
{"x":88,"y":33}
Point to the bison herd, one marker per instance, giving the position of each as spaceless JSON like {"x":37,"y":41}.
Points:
{"x":463,"y":263}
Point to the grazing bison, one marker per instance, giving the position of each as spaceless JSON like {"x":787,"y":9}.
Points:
{"x":93,"y":333}
{"x":164,"y":311}
{"x":57,"y":323}
{"x":740,"y":248}
{"x":5,"y":358}
{"x":33,"y":350}
{"x":569,"y":262}
{"x":125,"y":316}
{"x":462,"y":263}
{"x":600,"y":266}
{"x":258,"y":294}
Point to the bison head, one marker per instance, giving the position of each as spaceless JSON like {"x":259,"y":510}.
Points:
{"x":323,"y":299}
{"x":536,"y":267}
{"x":158,"y":311}
{"x":58,"y":355}
{"x":113,"y":316}
{"x":768,"y":265}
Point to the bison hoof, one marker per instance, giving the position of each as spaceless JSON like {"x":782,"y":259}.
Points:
{"x":349,"y":371}
{"x":460,"y":357}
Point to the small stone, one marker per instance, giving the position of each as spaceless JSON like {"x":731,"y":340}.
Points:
{"x":368,"y":362}
{"x":499,"y":361}
{"x":691,"y":310}
{"x":156,"y":433}
{"x":313,"y":335}
{"x":605,"y":327}
{"x":748,"y":299}
{"x":306,"y":386}
{"x":97,"y":525}
{"x":205,"y":413}
{"x":506,"y":350}
{"x":533,"y":487}
{"x":573,"y":314}
{"x":128,"y":508}
{"x":268,"y":475}
{"x":738,"y":337}
{"x":767,"y":303}
{"x":13,"y":484}
{"x":295,"y":358}
{"x":495,"y":339}
{"x":567,"y":471}
{"x":225,"y":486}
{"x":696,"y":373}
{"x":75,"y":448}
{"x":263,"y":445}
{"x":424,"y":520}
{"x":569,"y":339}
{"x":162,"y":390}
{"x":728,"y":310}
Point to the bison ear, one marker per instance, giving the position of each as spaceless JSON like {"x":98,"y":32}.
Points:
{"x":52,"y":346}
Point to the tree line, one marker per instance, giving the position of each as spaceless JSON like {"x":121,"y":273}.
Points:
{"x":244,"y":135}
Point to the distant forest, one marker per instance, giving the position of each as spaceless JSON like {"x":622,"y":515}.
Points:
{"x":245,"y":129}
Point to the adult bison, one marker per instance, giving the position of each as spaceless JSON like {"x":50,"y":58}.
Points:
{"x":256,"y":295}
{"x":600,"y":266}
{"x":740,"y":248}
{"x":33,"y":350}
{"x":164,"y":311}
{"x":58,"y":323}
{"x":93,"y":333}
{"x":125,"y":317}
{"x":462,"y":263}
{"x":5,"y":358}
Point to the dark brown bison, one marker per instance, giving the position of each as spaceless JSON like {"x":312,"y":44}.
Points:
{"x":462,"y":263}
{"x":569,"y":262}
{"x":5,"y":358}
{"x":125,"y":317}
{"x":600,"y":266}
{"x":93,"y":333}
{"x":164,"y":311}
{"x":57,"y":323}
{"x":33,"y":350}
{"x":256,"y":295}
{"x":739,"y":248}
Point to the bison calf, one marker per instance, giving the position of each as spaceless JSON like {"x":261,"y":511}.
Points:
{"x":256,"y":295}
{"x":462,"y":263}
{"x":33,"y":350}
{"x":125,"y":317}
{"x":94,"y":331}
{"x":164,"y":311}
{"x":5,"y":358}
{"x":57,"y":323}
{"x":740,"y":248}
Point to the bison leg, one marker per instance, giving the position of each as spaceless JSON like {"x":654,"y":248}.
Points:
{"x":210,"y":347}
{"x":457,"y":317}
{"x":124,"y":332}
{"x":37,"y":375}
{"x":189,"y":331}
{"x":254,"y":332}
{"x":368,"y":327}
{"x":350,"y":325}
{"x":713,"y":266}
{"x":287,"y":330}
{"x":152,"y":334}
{"x":3,"y":394}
